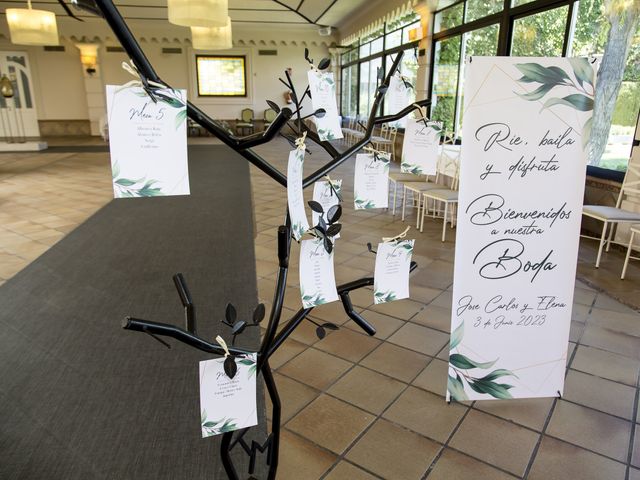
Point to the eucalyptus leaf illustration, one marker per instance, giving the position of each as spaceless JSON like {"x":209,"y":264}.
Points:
{"x":362,"y":203}
{"x":326,"y":134}
{"x":181,"y":116}
{"x":411,"y":168}
{"x":461,"y":365}
{"x":251,"y":364}
{"x":552,"y":77}
{"x":384,"y":297}
{"x":216,"y":427}
{"x":130,"y":188}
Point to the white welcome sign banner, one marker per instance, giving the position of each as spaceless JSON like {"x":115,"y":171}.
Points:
{"x":521,"y":190}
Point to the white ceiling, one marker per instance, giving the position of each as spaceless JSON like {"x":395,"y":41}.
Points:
{"x":289,"y":12}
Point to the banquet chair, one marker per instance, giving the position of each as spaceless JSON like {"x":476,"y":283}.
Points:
{"x":612,"y":216}
{"x":635,"y":229}
{"x":450,"y":162}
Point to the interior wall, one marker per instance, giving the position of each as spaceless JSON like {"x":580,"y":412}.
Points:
{"x":59,"y":78}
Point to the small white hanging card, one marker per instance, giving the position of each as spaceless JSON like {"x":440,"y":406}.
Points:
{"x":325,"y":195}
{"x":148,"y":142}
{"x":295,"y":198}
{"x":227,"y":404}
{"x":317,"y":278}
{"x":420,"y":147}
{"x":323,"y":95}
{"x":397,"y":98}
{"x":371,"y":183}
{"x":391,"y":275}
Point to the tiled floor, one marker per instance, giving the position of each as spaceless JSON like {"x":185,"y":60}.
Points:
{"x":359,"y":407}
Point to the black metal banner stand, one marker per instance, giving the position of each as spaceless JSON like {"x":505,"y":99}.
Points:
{"x":271,"y":340}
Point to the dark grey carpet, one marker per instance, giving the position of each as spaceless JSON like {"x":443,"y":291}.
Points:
{"x":80,"y":398}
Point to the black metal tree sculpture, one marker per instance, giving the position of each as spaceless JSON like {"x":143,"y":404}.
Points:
{"x":272,"y":339}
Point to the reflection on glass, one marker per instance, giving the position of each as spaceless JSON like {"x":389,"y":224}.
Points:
{"x":540,"y":35}
{"x":368,"y":79}
{"x":481,"y":8}
{"x":350,"y":91}
{"x":589,"y":38}
{"x":376,"y":45}
{"x":445,"y":80}
{"x":393,"y":39}
{"x":221,"y":76}
{"x":406,"y":30}
{"x":365,"y":50}
{"x":451,"y":17}
{"x":517,"y":3}
{"x":481,"y":42}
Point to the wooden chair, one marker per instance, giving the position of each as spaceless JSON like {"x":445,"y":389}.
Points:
{"x":612,"y":216}
{"x":450,"y":162}
{"x":245,"y":123}
{"x":269,"y":116}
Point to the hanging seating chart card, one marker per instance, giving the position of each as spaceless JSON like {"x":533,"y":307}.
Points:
{"x":371,"y":182}
{"x":397,"y":98}
{"x":295,"y":198}
{"x":391,"y":275}
{"x":420,"y":147}
{"x":323,"y":95}
{"x":317,"y":277}
{"x":522,"y":181}
{"x":326,"y":195}
{"x":148,"y":142}
{"x":227,"y":404}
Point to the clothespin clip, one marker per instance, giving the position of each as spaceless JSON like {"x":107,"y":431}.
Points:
{"x":230,"y":367}
{"x":398,"y":237}
{"x":141,"y":81}
{"x":300,"y":141}
{"x":376,"y":153}
{"x":423,"y":114}
{"x":333,"y":188}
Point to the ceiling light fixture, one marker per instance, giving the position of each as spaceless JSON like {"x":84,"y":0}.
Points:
{"x":198,"y":13}
{"x":32,"y":27}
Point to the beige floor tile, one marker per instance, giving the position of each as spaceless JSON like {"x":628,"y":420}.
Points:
{"x":635,"y":457}
{"x":396,"y":362}
{"x":315,"y":368}
{"x":495,"y":441}
{"x":367,"y":389}
{"x":421,"y":339}
{"x":560,"y":460}
{"x":628,"y":323}
{"x":348,"y":344}
{"x":346,"y":471}
{"x":289,"y":349}
{"x":330,"y":423}
{"x":384,"y":324}
{"x":425,"y":413}
{"x":331,"y":312}
{"x":606,"y":364}
{"x":403,"y":309}
{"x":529,"y":412}
{"x":300,"y":458}
{"x":434,"y":317}
{"x":611,"y":341}
{"x":589,"y":429}
{"x":434,"y":377}
{"x":604,"y":395}
{"x":634,"y":474}
{"x":393,"y":452}
{"x":454,"y":465}
{"x":294,"y":396}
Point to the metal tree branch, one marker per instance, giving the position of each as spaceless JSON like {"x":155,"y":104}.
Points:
{"x":271,"y":340}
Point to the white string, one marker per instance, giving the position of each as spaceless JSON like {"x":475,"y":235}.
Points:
{"x":223,"y":344}
{"x":131,"y":68}
{"x":300,"y":141}
{"x":400,"y":236}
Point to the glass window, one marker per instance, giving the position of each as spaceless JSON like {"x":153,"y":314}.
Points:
{"x":368,"y":84}
{"x":451,"y":17}
{"x":517,"y":3}
{"x":481,"y":8}
{"x":406,"y":30}
{"x":541,"y":34}
{"x":393,"y":39}
{"x":377,"y":45}
{"x":590,"y":37}
{"x":408,"y":69}
{"x":481,"y":42}
{"x":350,"y":91}
{"x":221,"y":76}
{"x":365,"y":50}
{"x":445,"y":81}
